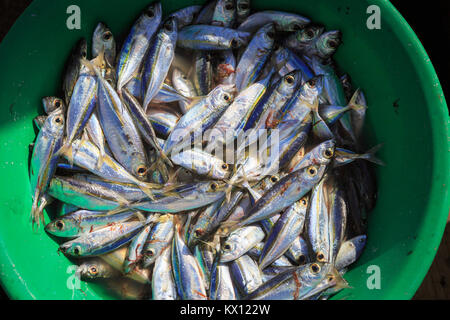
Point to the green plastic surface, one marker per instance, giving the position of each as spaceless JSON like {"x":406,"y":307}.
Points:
{"x":391,"y":66}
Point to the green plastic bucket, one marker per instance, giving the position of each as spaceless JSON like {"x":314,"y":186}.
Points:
{"x":407,"y":112}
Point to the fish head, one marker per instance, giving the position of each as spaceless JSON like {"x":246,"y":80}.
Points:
{"x":73,"y":248}
{"x":312,"y":88}
{"x":324,"y":152}
{"x":170,"y":28}
{"x":267,"y":35}
{"x":81,"y":48}
{"x":292,"y":22}
{"x":240,"y":40}
{"x":328,"y":43}
{"x":103,"y":39}
{"x":63,"y":227}
{"x":52,"y":103}
{"x":55,"y":123}
{"x":89,"y":270}
{"x":290,"y":82}
{"x":220,"y":170}
{"x":243,"y":8}
{"x":309,"y":33}
{"x":152,"y":13}
{"x":228,"y":250}
{"x":222,"y":95}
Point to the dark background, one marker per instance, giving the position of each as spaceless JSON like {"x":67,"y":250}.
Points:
{"x":431,"y":22}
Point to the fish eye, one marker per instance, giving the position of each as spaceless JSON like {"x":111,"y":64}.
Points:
{"x":234,"y":43}
{"x":332,"y":44}
{"x":57,"y":103}
{"x":315,"y":268}
{"x":296,"y":27}
{"x":304,"y":201}
{"x":320,"y":257}
{"x":328,"y":153}
{"x":77,"y":250}
{"x":274,"y":178}
{"x":226,"y":97}
{"x":227,"y":247}
{"x":107,"y":35}
{"x":243,"y":6}
{"x":213,"y":186}
{"x":150,"y":13}
{"x":229,"y":6}
{"x":289,"y":79}
{"x":58,"y":120}
{"x":312,"y":83}
{"x":141,"y":170}
{"x":198,"y":233}
{"x":309,"y":34}
{"x":301,"y":259}
{"x":59,"y":224}
{"x":168,"y":25}
{"x":83,"y":54}
{"x":312,"y":171}
{"x":330,"y":278}
{"x":224,"y":166}
{"x":150,"y":252}
{"x":93,"y":270}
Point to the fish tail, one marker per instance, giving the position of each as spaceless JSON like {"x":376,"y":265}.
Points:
{"x":101,"y":157}
{"x":370,"y":155}
{"x":353,"y":104}
{"x":165,"y":159}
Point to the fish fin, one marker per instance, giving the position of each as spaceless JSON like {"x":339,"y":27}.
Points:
{"x":227,"y":227}
{"x":140,"y":216}
{"x":353,"y":105}
{"x":67,"y":151}
{"x":254,"y":195}
{"x":370,"y":155}
{"x":118,"y":209}
{"x":147,"y":191}
{"x":88,"y":64}
{"x":341,"y":283}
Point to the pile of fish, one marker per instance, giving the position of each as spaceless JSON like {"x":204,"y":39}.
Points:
{"x":217,"y":155}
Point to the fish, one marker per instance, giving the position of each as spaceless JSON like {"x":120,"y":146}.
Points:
{"x":285,"y":230}
{"x":188,"y":276}
{"x":202,"y":163}
{"x":207,"y":37}
{"x":255,"y":56}
{"x":298,"y":283}
{"x":120,"y":130}
{"x":158,"y":60}
{"x":186,"y":15}
{"x":101,"y":241}
{"x":217,"y":155}
{"x":283,"y":21}
{"x":201,"y":116}
{"x":94,"y":269}
{"x":184,"y":86}
{"x":50,"y":104}
{"x":82,"y":222}
{"x":44,"y":160}
{"x":72,"y":69}
{"x":136,"y":44}
{"x":163,"y":283}
{"x":103,"y":40}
